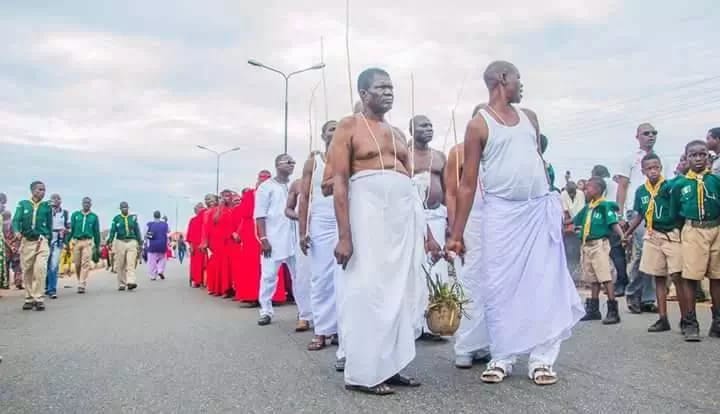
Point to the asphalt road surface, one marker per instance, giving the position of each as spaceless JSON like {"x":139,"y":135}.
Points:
{"x":167,"y":348}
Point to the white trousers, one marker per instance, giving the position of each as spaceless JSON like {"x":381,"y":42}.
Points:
{"x":544,"y":354}
{"x":268,"y":281}
{"x":301,"y":287}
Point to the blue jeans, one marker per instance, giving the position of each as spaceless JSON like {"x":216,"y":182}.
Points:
{"x":56,"y":249}
{"x":641,"y":285}
{"x":181,"y":255}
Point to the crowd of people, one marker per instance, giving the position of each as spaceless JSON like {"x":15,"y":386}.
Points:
{"x":42,"y":241}
{"x":350,"y":242}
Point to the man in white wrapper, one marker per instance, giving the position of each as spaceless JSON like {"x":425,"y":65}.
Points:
{"x":318,"y":213}
{"x":427,"y":167}
{"x":301,"y":277}
{"x":276,"y":233}
{"x":513,"y":235}
{"x":380,"y":242}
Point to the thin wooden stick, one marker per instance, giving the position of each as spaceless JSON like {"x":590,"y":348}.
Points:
{"x":412,"y":125}
{"x":457,"y":102}
{"x":347,"y":50}
{"x":457,"y":151}
{"x":310,"y":112}
{"x":324,"y":82}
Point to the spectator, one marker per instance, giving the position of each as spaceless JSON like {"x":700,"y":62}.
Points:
{"x":641,"y":289}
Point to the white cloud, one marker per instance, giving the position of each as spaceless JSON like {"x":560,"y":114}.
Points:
{"x":149,"y":85}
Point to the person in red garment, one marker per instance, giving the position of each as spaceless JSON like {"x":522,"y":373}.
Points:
{"x":211,"y":244}
{"x":223,"y":236}
{"x":247,"y":269}
{"x":194,"y":240}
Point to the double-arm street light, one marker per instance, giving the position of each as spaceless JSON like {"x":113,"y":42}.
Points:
{"x":287,"y":78}
{"x":217,"y":164}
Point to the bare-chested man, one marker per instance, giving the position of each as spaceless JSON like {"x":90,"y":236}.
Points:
{"x":380,"y":242}
{"x":513,"y":235}
{"x":301,"y":278}
{"x":427,"y":172}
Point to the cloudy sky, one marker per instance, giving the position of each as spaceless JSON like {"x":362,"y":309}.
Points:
{"x":110,"y":98}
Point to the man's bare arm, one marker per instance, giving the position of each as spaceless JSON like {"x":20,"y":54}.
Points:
{"x":260,"y":225}
{"x":305,"y":183}
{"x":340,"y":156}
{"x":475,"y":139}
{"x":442,"y":175}
{"x":622,"y":190}
{"x":292,"y":201}
{"x":450,"y":184}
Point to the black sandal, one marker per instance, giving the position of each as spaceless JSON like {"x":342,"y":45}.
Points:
{"x":318,"y":343}
{"x":400,"y":380}
{"x":380,"y":389}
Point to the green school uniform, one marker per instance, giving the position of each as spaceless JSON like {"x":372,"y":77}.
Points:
{"x":684,"y":198}
{"x":33,"y":220}
{"x":601,"y":221}
{"x":124,"y":228}
{"x":84,"y":227}
{"x":664,"y":218}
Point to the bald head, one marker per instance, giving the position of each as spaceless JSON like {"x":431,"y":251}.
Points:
{"x":498,"y":72}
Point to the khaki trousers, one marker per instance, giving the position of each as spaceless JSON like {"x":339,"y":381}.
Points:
{"x":34,"y":261}
{"x":82,"y":253}
{"x":126,"y":252}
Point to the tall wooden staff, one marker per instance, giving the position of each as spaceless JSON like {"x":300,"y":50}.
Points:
{"x":347,"y":50}
{"x":324,"y":82}
{"x":412,"y":125}
{"x":452,"y":113}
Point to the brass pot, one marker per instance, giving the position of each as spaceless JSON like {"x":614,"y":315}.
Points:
{"x":443,"y":319}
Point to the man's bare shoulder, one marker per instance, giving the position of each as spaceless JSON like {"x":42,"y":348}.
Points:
{"x":477,"y":128}
{"x":440,"y":154}
{"x":347,"y":122}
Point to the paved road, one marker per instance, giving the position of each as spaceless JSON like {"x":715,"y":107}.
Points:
{"x":167,"y":348}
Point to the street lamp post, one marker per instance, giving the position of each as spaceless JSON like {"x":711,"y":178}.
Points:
{"x":177,"y":210}
{"x":286,"y":77}
{"x":217,"y":163}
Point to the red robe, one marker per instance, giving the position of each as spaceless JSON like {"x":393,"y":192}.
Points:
{"x":229,"y":250}
{"x":224,"y":238}
{"x":215,"y":241}
{"x":247,"y":269}
{"x":197,"y":256}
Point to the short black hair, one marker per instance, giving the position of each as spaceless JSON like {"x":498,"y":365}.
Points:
{"x":156,"y":214}
{"x":599,"y":181}
{"x":600,"y":171}
{"x":366,"y":77}
{"x":543,"y":143}
{"x":279,"y":157}
{"x":35,"y":184}
{"x":695,"y":142}
{"x":650,"y":156}
{"x":327,"y":124}
{"x":714,"y":132}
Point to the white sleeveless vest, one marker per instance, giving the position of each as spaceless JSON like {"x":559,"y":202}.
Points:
{"x":319,"y":204}
{"x":511,"y":165}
